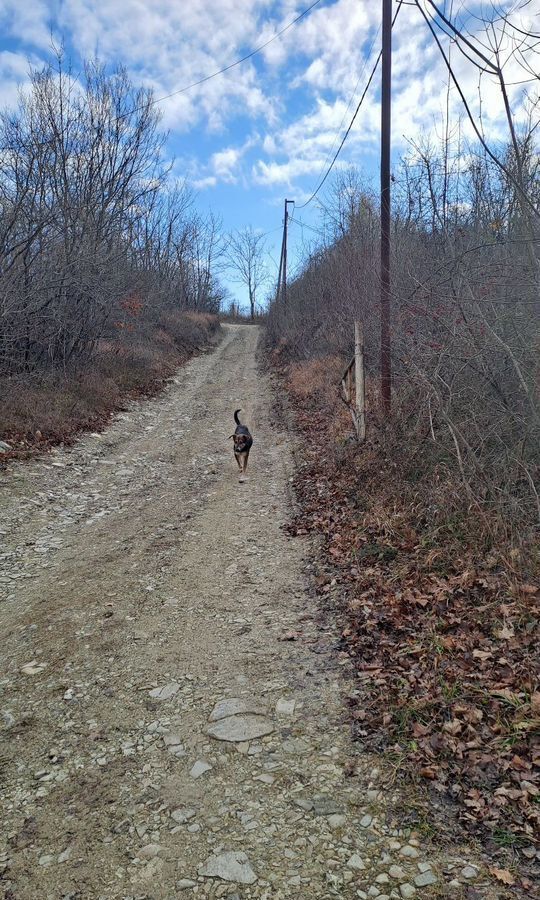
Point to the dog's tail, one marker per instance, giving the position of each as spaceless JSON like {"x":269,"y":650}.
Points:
{"x":236,"y":419}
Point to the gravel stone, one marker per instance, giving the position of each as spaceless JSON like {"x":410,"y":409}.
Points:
{"x":240,"y":728}
{"x":469,"y":872}
{"x":232,"y":865}
{"x":425,"y":879}
{"x":199,"y":768}
{"x":235,"y":706}
{"x":183,"y":814}
{"x":409,"y":852}
{"x":165,"y":692}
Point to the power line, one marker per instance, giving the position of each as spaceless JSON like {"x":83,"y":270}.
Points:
{"x":351,"y":123}
{"x":232,"y":65}
{"x":206,"y":78}
{"x":349,"y":104}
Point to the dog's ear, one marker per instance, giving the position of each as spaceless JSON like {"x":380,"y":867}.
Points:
{"x":230,"y":437}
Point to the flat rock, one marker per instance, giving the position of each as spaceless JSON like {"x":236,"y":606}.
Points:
{"x":409,"y":852}
{"x":33,"y":668}
{"x":233,"y":865}
{"x":150,"y":851}
{"x":165,"y":692}
{"x":325,"y":806}
{"x":199,"y":768}
{"x":425,"y":879}
{"x":235,"y":706}
{"x":469,"y":872}
{"x":172,"y":739}
{"x":285,"y":707}
{"x":296,"y":746}
{"x":356,"y":862}
{"x":337,"y":821}
{"x":183,"y":815}
{"x":240,"y":728}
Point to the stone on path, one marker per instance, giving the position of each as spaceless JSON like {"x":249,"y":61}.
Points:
{"x":469,"y":872}
{"x":165,"y":692}
{"x":33,"y":668}
{"x":183,"y":815}
{"x":325,"y":806}
{"x":235,"y":706}
{"x":150,"y":851}
{"x":285,"y":707}
{"x":356,"y":862}
{"x":240,"y":728}
{"x":425,"y":879}
{"x":199,"y":768}
{"x":233,"y":865}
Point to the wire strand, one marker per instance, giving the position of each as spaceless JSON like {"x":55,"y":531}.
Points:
{"x":351,"y":123}
{"x":232,"y":65}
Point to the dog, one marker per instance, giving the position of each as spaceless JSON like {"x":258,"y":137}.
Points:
{"x":242,"y":445}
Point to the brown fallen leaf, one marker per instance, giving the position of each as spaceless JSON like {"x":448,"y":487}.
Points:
{"x":482,"y":654}
{"x":505,"y":633}
{"x":529,"y":588}
{"x":503,"y":875}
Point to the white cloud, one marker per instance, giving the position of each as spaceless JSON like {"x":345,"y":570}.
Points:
{"x":30,"y":22}
{"x":296,"y":93}
{"x":14,"y":76}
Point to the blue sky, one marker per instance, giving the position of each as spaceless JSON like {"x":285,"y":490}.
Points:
{"x":264,"y":130}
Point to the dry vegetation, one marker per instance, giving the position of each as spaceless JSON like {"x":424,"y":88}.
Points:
{"x":40,"y":409}
{"x":438,"y":617}
{"x":106,"y":270}
{"x":432,"y":525}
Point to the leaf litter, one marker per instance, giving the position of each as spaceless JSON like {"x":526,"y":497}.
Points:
{"x":444,"y":639}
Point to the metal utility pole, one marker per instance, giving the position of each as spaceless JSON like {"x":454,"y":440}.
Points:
{"x":386,"y":101}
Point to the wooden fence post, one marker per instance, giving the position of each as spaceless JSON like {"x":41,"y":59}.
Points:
{"x":357,"y":405}
{"x":360,"y":400}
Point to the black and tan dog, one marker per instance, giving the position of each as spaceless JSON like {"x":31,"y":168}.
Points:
{"x":242,"y":444}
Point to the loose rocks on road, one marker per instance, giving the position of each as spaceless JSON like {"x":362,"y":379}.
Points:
{"x":158,"y":737}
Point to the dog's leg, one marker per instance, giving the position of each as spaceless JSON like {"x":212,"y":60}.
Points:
{"x":238,"y":459}
{"x":244,"y":465}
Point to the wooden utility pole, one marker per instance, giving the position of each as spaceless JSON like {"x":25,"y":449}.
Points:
{"x":386,"y":101}
{"x":285,"y":223}
{"x":278,"y":292}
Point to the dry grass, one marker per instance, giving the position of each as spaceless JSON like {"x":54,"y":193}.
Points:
{"x":41,"y":409}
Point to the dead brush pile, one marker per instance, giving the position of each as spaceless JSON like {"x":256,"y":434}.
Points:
{"x":440,"y":618}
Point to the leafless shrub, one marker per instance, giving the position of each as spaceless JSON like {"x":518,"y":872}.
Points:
{"x":465,"y":313}
{"x":95,"y":239}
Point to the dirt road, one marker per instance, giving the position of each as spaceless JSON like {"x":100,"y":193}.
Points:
{"x":141,"y":586}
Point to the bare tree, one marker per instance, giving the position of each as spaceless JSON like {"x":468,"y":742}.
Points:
{"x":246,"y":258}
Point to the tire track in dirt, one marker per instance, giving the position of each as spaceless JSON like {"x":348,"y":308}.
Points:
{"x":143,"y":585}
